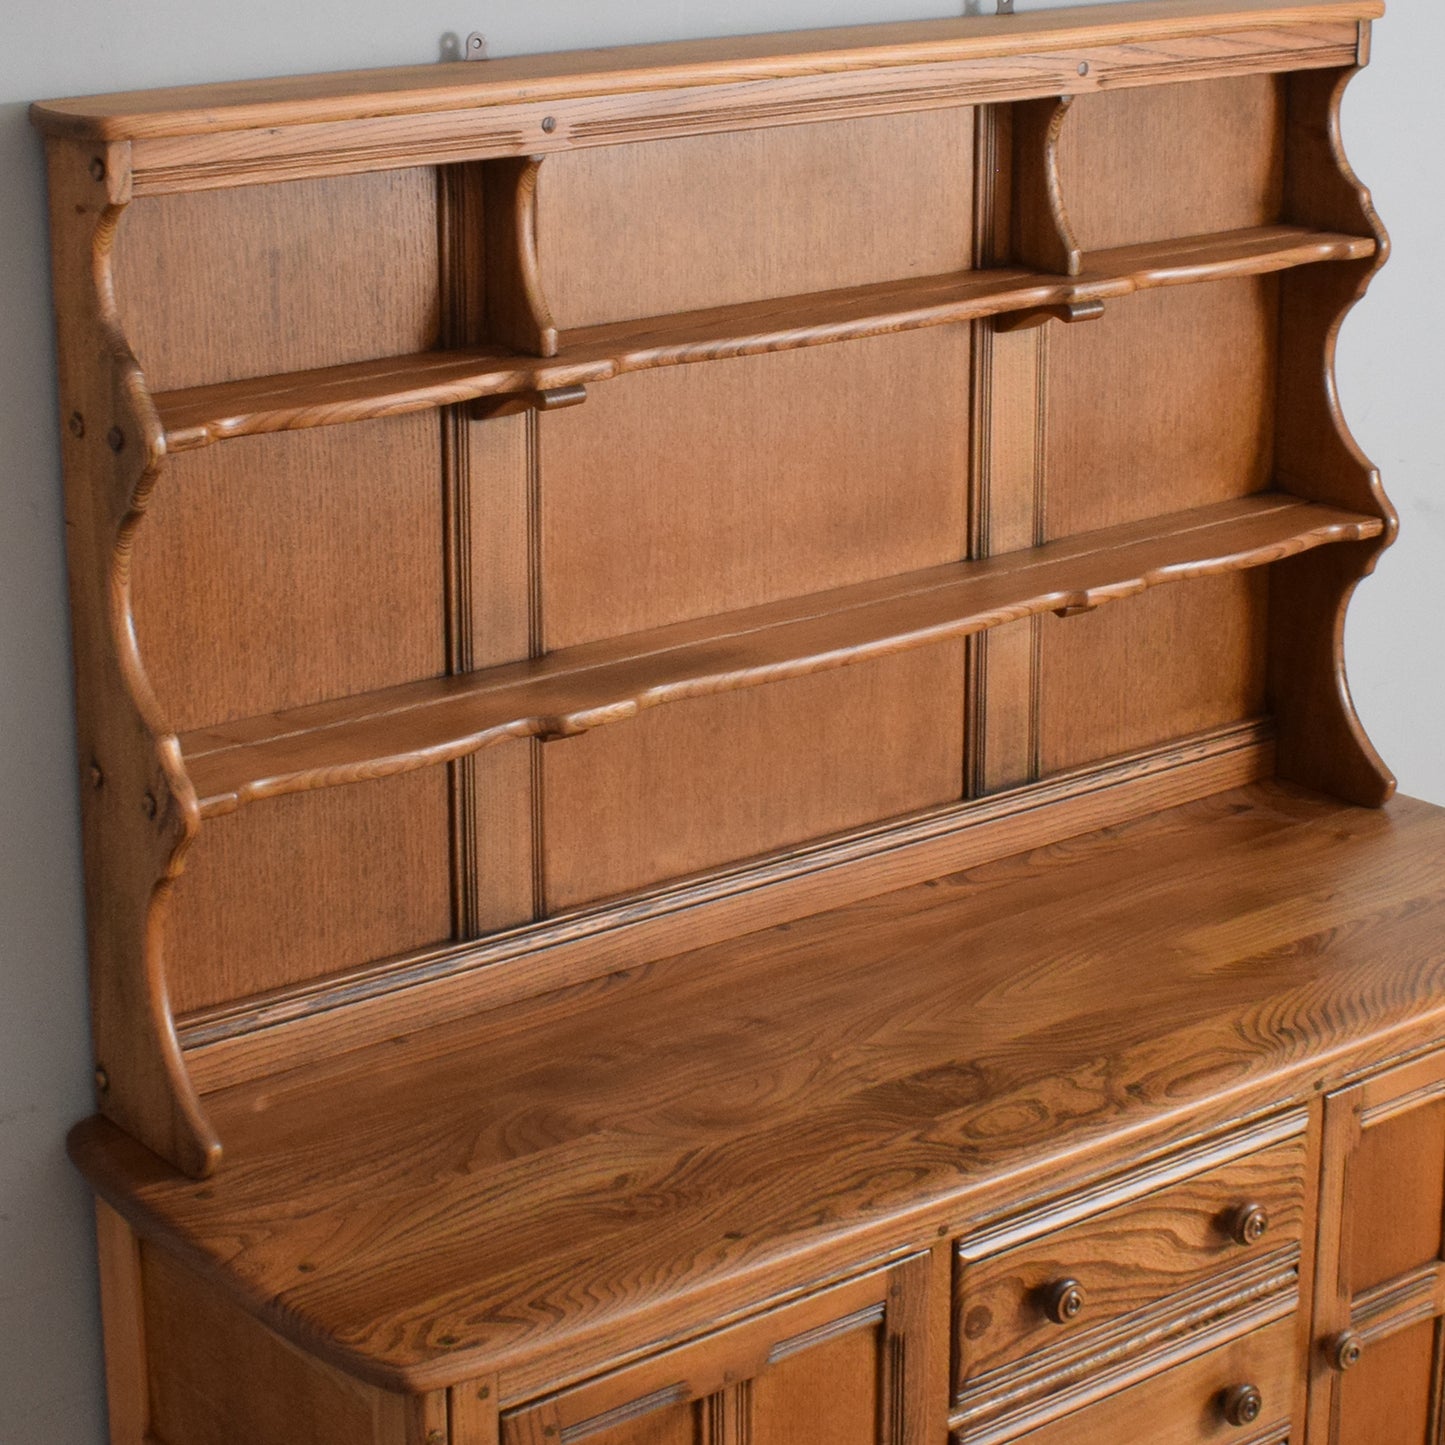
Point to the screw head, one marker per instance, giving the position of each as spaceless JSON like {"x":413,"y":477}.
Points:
{"x":97,"y":777}
{"x":115,"y":439}
{"x":102,"y":1080}
{"x":549,"y":123}
{"x":1083,"y":67}
{"x":76,"y":424}
{"x":97,"y":169}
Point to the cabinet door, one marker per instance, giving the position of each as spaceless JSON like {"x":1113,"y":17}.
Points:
{"x":848,"y":1365}
{"x":1380,"y":1288}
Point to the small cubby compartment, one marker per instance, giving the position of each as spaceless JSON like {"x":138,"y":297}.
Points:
{"x":723,"y":220}
{"x":1156,"y":163}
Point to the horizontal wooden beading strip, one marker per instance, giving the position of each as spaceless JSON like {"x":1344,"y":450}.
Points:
{"x":361,"y":390}
{"x":573,"y":690}
{"x":423,"y":89}
{"x":258,"y":155}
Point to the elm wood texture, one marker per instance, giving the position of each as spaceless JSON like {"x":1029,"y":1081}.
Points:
{"x":233,"y":616}
{"x":1182,"y":661}
{"x":849,"y":1364}
{"x":220,"y":136}
{"x":754,"y":482}
{"x":138,"y":809}
{"x":517,"y":312}
{"x":1187,"y":1405}
{"x":572,"y":1179}
{"x":187,"y":110}
{"x":1321,"y":741}
{"x":768,"y":768}
{"x":330,"y":396}
{"x":733,"y":219}
{"x":207,"y":1358}
{"x":1043,"y":236}
{"x":252,"y":1037}
{"x":1124,"y":1260}
{"x":356,"y":873}
{"x":1381,"y":1269}
{"x":269,"y":279}
{"x":569,"y":691}
{"x":122,"y":1306}
{"x":1226,"y":136}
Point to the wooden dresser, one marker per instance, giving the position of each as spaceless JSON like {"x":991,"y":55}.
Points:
{"x":720,"y":801}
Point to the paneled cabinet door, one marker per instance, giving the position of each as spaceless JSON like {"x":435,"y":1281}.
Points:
{"x":848,"y":1366}
{"x":1380,"y":1288}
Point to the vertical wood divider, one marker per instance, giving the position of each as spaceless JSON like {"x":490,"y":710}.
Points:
{"x":1010,"y":371}
{"x":489,"y":494}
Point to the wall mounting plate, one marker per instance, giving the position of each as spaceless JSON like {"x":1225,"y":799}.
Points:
{"x":476,"y":46}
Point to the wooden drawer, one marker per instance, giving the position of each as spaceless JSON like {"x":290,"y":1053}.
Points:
{"x":1194,"y":1403}
{"x":1016,"y":1302}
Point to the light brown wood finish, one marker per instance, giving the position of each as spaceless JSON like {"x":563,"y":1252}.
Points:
{"x":139,"y":811}
{"x":1376,"y":1371}
{"x":594,"y":684}
{"x":533,"y":1133}
{"x":1126,"y":1259}
{"x":355,"y":392}
{"x":1322,"y":742}
{"x":721,"y":221}
{"x":1186,"y":1405}
{"x":610,"y":1137}
{"x":849,"y":1363}
{"x":127,"y":1387}
{"x":240,"y":134}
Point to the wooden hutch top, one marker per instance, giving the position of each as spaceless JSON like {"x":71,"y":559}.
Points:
{"x":611,"y":1117}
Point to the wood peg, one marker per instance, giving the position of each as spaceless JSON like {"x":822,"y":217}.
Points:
{"x":484,"y":408}
{"x":1068,"y":312}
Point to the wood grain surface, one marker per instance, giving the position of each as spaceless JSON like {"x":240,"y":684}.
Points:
{"x":317,"y":99}
{"x":576,"y":689}
{"x":198,"y":416}
{"x":579,"y":1175}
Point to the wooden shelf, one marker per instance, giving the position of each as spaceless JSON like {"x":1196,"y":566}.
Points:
{"x":198,"y":416}
{"x":571,"y":691}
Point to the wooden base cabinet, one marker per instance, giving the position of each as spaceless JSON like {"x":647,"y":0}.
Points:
{"x":849,"y":1364}
{"x":1381,"y":1284}
{"x":721,"y":804}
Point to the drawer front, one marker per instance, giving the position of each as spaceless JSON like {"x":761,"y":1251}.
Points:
{"x":1240,"y":1391}
{"x":1075,"y":1279}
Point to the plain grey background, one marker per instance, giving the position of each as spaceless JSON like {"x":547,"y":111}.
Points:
{"x":1390,"y":380}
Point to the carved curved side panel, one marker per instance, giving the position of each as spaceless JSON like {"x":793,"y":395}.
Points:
{"x":1321,"y":741}
{"x":1043,"y":236}
{"x":140,"y":811}
{"x":517,"y":312}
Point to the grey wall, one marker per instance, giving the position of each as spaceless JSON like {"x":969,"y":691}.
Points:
{"x":1390,"y":378}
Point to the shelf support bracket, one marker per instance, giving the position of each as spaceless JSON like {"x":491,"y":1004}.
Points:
{"x":1069,"y":312}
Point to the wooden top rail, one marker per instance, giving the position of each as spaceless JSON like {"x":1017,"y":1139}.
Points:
{"x":422,"y":89}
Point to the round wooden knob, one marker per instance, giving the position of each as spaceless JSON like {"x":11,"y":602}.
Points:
{"x":1064,"y":1301}
{"x":1242,"y":1405}
{"x":1345,"y":1351}
{"x":1248,"y":1224}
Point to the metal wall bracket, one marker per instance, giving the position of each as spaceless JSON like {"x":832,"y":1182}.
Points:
{"x":1005,"y":7}
{"x":476,"y":46}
